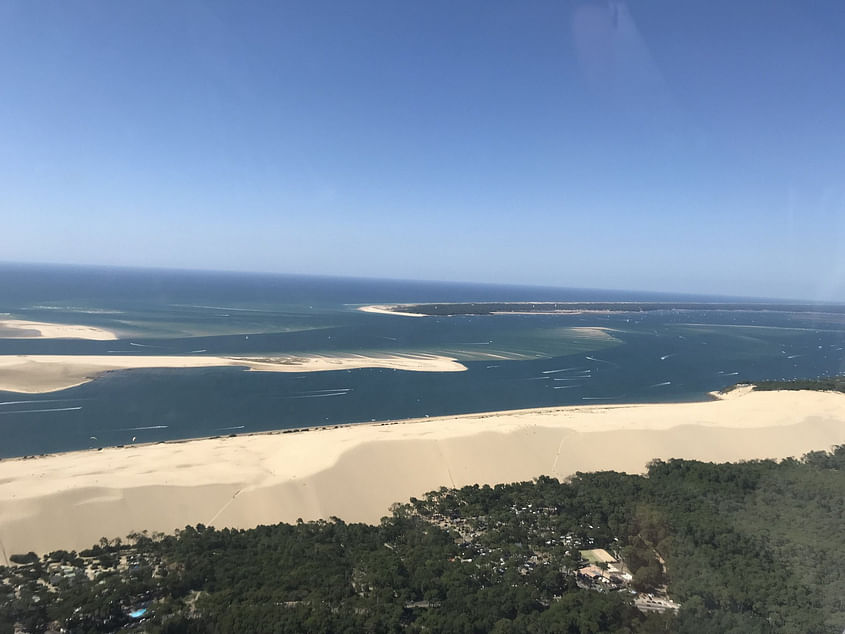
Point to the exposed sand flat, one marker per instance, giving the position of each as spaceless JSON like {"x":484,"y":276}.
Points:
{"x":32,"y":374}
{"x":20,"y":329}
{"x":386,"y":310}
{"x":356,"y":472}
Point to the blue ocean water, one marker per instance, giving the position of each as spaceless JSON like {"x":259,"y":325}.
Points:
{"x":513,"y":361}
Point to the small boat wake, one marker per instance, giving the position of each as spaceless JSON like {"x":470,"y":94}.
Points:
{"x":43,"y":400}
{"x":340,"y":391}
{"x":143,"y":428}
{"x":42,"y":411}
{"x":602,"y":361}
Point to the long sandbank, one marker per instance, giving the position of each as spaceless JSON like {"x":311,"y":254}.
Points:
{"x":392,"y":309}
{"x":22,"y":329}
{"x":356,"y":472}
{"x":36,"y":374}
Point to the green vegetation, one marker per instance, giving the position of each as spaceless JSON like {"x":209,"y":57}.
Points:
{"x":754,"y":547}
{"x":821,"y":384}
{"x":834,"y":384}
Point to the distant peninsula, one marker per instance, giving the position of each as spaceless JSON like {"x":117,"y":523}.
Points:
{"x":447,"y":309}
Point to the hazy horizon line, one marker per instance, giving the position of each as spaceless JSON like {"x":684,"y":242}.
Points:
{"x":462,"y":282}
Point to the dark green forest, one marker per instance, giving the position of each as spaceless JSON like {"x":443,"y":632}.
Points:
{"x":833,"y":384}
{"x":750,"y":548}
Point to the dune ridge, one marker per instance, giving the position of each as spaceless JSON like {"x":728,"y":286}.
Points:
{"x":356,"y":472}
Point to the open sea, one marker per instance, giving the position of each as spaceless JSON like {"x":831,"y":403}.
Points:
{"x":513,"y":361}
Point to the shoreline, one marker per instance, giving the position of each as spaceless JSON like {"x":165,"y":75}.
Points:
{"x":714,"y":396}
{"x":356,"y":471}
{"x":42,"y":374}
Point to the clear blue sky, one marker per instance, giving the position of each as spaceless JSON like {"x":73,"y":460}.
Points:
{"x":677,"y":145}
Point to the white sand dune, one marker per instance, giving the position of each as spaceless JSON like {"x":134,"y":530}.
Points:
{"x":32,"y":374}
{"x":356,"y":472}
{"x":21,"y":329}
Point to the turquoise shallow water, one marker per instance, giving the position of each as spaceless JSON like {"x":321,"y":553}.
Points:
{"x":514,"y":361}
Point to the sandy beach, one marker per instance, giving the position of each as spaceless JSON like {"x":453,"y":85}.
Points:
{"x":36,"y":374}
{"x":386,"y":310}
{"x":21,"y":329}
{"x":356,"y":472}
